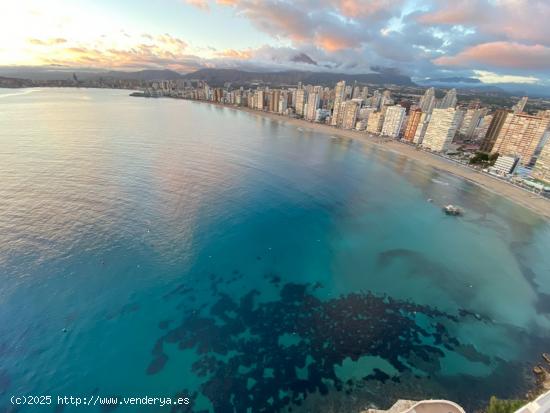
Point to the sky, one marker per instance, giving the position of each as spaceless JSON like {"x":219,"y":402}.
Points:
{"x":495,"y":41}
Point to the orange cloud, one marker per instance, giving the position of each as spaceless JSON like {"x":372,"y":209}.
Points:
{"x":235,"y":54}
{"x":363,"y":8}
{"x":501,"y":55}
{"x":332,"y":43}
{"x":200,"y":4}
{"x":454,"y":13}
{"x":47,"y":42}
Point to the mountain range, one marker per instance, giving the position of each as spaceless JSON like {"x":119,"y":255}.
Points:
{"x":216,"y":77}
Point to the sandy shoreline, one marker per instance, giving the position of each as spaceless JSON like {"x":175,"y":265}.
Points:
{"x":520,"y":196}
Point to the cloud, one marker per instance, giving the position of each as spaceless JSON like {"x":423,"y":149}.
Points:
{"x":143,"y":51}
{"x":511,"y":20}
{"x":200,"y":4}
{"x":423,"y":38}
{"x":500,"y":55}
{"x":491,"y":77}
{"x":47,"y":42}
{"x":235,"y":54}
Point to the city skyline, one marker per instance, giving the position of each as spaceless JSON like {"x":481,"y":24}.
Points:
{"x":498,"y":41}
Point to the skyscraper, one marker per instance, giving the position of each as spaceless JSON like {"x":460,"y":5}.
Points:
{"x":493,"y":130}
{"x":393,"y":121}
{"x":386,"y":98}
{"x":441,"y":129}
{"x":376,"y":99}
{"x":520,"y":136}
{"x":542,"y":167}
{"x":470,"y":122}
{"x":481,"y":130}
{"x":427,"y":102}
{"x":312,"y":106}
{"x":412,"y":124}
{"x":259,"y":97}
{"x":448,"y":101}
{"x":349,"y":114}
{"x":275,"y":97}
{"x":421,"y":128}
{"x":520,"y":106}
{"x":339,"y":91}
{"x":365,"y":93}
{"x":374,"y":122}
{"x":300,"y":101}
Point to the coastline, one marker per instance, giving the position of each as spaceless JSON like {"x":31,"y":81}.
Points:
{"x":526,"y":199}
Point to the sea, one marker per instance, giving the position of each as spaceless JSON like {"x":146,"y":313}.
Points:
{"x":168,"y":250}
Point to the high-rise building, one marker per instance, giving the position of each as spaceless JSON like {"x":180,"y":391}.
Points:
{"x":259,"y":97}
{"x":421,"y":128}
{"x":520,"y":106}
{"x":365,"y":93}
{"x":283,"y":102}
{"x":448,"y":101}
{"x":386,"y":98}
{"x":374,"y":122}
{"x":300,"y":101}
{"x":493,"y":130}
{"x":376,"y":99}
{"x":481,"y":130}
{"x":393,"y":121}
{"x":412,"y":124}
{"x":441,"y":129}
{"x":339,"y":91}
{"x":312,"y":106}
{"x":349,"y":114}
{"x":520,"y":136}
{"x":542,"y":167}
{"x":275,"y":97}
{"x":470,"y":122}
{"x":427,"y":102}
{"x":347,"y":91}
{"x":356,"y":94}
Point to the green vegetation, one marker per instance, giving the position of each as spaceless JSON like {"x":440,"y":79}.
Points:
{"x":485,"y":159}
{"x":504,"y":406}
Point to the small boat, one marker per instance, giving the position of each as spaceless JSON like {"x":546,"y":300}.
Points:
{"x":452,"y":210}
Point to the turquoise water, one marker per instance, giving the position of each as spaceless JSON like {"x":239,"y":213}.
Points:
{"x":154,"y":247}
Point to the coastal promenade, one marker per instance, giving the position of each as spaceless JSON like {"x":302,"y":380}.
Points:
{"x":516,"y":194}
{"x":423,"y":406}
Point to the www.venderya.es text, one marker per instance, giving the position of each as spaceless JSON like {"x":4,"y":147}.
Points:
{"x":95,"y":400}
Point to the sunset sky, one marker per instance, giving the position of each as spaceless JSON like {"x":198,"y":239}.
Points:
{"x":492,"y":40}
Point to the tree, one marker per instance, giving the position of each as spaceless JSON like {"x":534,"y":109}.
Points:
{"x":504,"y":406}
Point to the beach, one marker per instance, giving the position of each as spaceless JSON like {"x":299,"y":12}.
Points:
{"x":518,"y":195}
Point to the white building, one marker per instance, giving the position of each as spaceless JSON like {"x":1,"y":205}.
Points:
{"x":448,"y":101}
{"x":393,"y":120}
{"x":313,"y":100}
{"x":349,"y":114}
{"x":505,"y":165}
{"x":339,"y":91}
{"x":421,"y":128}
{"x":427,"y":102}
{"x":283,"y":99}
{"x":300,"y":101}
{"x":471,"y":121}
{"x":259,"y":99}
{"x":441,"y":129}
{"x":374,"y":122}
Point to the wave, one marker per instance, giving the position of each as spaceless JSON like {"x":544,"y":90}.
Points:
{"x":23,"y":92}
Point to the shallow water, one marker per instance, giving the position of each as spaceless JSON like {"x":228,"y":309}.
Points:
{"x":198,"y":250}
